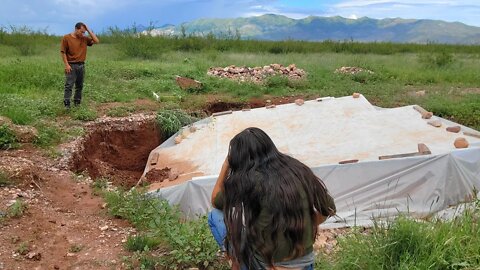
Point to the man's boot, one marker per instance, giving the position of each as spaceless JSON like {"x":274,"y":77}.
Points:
{"x":76,"y":103}
{"x":66,"y":102}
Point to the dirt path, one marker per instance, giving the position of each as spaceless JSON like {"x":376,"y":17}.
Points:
{"x":64,"y":227}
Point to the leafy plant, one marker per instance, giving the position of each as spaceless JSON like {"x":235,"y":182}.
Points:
{"x":23,"y":248}
{"x":17,"y":209}
{"x":8,"y":139}
{"x":47,"y":136}
{"x":141,"y":243}
{"x":187,"y":243}
{"x":170,"y":121}
{"x":84,"y":114}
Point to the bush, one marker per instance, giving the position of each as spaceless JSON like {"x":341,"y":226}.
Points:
{"x":170,"y":121}
{"x":436,"y":60}
{"x":8,"y":139}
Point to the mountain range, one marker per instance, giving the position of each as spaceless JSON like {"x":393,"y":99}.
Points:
{"x":314,"y":28}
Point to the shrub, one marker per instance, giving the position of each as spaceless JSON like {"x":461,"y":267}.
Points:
{"x":8,"y":139}
{"x":436,"y":60}
{"x":170,"y":121}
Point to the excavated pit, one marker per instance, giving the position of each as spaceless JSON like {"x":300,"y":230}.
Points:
{"x":117,"y":149}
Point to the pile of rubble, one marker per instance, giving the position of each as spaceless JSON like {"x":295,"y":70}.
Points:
{"x":352,"y":70}
{"x":257,"y":74}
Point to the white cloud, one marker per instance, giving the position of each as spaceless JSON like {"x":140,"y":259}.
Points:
{"x":465,"y":11}
{"x":353,"y":17}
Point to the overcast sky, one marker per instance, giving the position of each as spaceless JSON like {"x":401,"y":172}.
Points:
{"x":59,"y":16}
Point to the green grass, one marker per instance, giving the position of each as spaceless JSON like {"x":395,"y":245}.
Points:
{"x":409,"y":244}
{"x":184,"y":243}
{"x":32,"y":85}
{"x":17,"y":209}
{"x":123,"y":69}
{"x":8,"y":139}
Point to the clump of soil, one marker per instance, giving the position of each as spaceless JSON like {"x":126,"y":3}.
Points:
{"x":117,"y":149}
{"x":159,"y":175}
{"x":221,"y":106}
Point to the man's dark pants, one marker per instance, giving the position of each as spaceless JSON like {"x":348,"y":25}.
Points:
{"x":76,"y":77}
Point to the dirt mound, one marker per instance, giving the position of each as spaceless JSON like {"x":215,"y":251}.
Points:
{"x":117,"y":149}
{"x":63,"y":225}
{"x":221,"y":106}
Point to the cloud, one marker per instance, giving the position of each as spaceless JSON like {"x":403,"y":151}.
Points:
{"x":60,"y":15}
{"x":466,"y":11}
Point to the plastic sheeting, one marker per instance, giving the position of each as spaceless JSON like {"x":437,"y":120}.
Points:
{"x":419,"y":186}
{"x":321,"y":134}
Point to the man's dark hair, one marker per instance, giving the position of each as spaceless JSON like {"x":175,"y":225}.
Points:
{"x":79,"y":25}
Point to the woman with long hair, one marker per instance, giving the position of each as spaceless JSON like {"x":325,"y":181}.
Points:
{"x":267,"y":206}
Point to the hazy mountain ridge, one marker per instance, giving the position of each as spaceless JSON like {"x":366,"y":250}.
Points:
{"x":314,"y":28}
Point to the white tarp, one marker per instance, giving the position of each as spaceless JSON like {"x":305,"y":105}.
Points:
{"x":321,"y":134}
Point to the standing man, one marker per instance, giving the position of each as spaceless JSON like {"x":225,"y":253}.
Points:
{"x":74,"y":52}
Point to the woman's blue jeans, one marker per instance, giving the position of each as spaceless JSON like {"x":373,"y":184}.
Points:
{"x":219,"y":231}
{"x":217,"y":226}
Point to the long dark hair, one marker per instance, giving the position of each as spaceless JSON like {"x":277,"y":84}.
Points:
{"x":261,"y":175}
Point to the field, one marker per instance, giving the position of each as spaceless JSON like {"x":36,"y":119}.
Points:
{"x":128,"y":74}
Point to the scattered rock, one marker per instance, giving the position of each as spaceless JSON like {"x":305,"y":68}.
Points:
{"x":192,"y":129}
{"x":103,"y":228}
{"x":420,"y":93}
{"x":435,"y":123}
{"x":299,"y":102}
{"x":270,"y":106}
{"x":352,"y":70}
{"x":178,"y":139}
{"x":36,"y":256}
{"x":460,"y":143}
{"x":356,"y":95}
{"x":256,"y":74}
{"x":454,"y":129}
